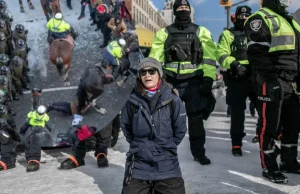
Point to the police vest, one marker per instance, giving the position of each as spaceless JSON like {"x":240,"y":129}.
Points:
{"x":21,"y":52}
{"x":188,"y":41}
{"x":197,"y":46}
{"x":115,"y":50}
{"x":239,"y":45}
{"x":37,"y":120}
{"x":283,"y":35}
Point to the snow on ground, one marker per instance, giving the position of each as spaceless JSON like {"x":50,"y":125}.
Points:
{"x":226,"y":174}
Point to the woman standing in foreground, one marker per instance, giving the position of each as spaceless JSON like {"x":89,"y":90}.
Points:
{"x":154,"y":123}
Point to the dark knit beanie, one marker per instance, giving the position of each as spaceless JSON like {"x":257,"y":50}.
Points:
{"x":151,"y":62}
{"x":179,"y":3}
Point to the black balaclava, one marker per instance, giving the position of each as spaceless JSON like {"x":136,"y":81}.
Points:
{"x":239,"y":23}
{"x":182,"y":17}
{"x":275,"y":6}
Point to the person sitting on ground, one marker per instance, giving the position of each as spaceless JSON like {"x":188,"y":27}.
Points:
{"x":77,"y":142}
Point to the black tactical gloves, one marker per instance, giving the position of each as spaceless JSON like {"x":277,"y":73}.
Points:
{"x":206,"y":85}
{"x":238,"y":70}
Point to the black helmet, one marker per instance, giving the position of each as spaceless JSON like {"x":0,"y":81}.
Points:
{"x":243,"y":10}
{"x":20,"y":28}
{"x":3,"y":4}
{"x":2,"y":24}
{"x":4,"y":59}
{"x":3,"y":122}
{"x":20,"y":43}
{"x":3,"y":109}
{"x":16,"y":61}
{"x":240,"y":16}
{"x":2,"y":36}
{"x":4,"y":70}
{"x":280,"y":3}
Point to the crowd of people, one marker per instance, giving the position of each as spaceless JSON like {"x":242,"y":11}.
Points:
{"x":119,"y":44}
{"x":261,"y":57}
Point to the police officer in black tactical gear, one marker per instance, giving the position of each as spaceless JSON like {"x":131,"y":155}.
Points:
{"x":232,"y":55}
{"x":273,"y":52}
{"x":187,"y":52}
{"x":8,"y":143}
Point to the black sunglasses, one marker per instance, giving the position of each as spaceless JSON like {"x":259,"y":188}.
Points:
{"x":143,"y":72}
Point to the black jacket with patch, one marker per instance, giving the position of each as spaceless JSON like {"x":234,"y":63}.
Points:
{"x":269,"y":65}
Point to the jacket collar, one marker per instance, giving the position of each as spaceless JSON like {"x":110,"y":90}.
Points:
{"x":164,"y":95}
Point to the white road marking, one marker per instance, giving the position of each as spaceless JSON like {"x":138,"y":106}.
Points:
{"x":55,"y":89}
{"x":222,"y":138}
{"x":225,"y":113}
{"x":219,"y":132}
{"x":262,"y":181}
{"x":247,"y":151}
{"x":238,"y":187}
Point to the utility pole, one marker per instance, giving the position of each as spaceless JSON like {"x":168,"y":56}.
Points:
{"x":228,"y":11}
{"x":228,"y":16}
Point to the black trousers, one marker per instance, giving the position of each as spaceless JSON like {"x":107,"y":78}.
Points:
{"x":103,"y":140}
{"x":189,"y":92}
{"x":277,"y":105}
{"x":166,"y":186}
{"x":33,"y":143}
{"x":237,"y":93}
{"x":63,"y":107}
{"x":106,"y":34}
{"x":8,"y":152}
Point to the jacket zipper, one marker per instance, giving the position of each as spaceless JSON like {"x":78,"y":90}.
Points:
{"x":158,"y":123}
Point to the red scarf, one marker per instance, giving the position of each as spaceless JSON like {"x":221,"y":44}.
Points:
{"x":155,"y":88}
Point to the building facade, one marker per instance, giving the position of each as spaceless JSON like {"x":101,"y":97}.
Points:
{"x":167,"y":12}
{"x":146,"y":15}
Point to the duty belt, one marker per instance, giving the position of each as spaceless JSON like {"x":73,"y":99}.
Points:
{"x":181,"y":66}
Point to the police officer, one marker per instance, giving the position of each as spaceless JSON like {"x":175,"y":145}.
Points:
{"x":232,"y":55}
{"x":18,"y":68}
{"x":114,"y":54}
{"x":36,"y":118}
{"x":8,"y":143}
{"x":4,"y":60}
{"x":59,"y":28}
{"x":3,"y":28}
{"x":5,"y":14}
{"x":3,"y":44}
{"x":188,"y":53}
{"x":273,"y":52}
{"x":11,"y":89}
{"x":79,"y":148}
{"x":20,"y":33}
